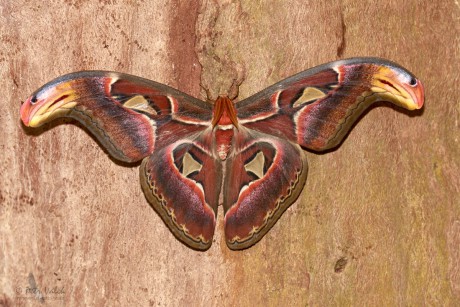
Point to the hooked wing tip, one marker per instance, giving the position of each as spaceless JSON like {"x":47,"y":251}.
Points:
{"x":399,"y":86}
{"x":26,"y":111}
{"x":419,"y":94}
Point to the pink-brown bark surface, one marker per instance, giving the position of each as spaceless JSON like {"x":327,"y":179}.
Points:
{"x":378,"y":222}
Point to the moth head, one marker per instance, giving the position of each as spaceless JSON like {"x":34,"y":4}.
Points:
{"x":49,"y":102}
{"x":397,"y":85}
{"x":224,"y":112}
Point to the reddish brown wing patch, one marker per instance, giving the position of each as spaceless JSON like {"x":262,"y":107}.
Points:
{"x":274,"y":110}
{"x":265,"y":176}
{"x":182,"y":182}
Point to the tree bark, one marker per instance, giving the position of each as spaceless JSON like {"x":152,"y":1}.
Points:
{"x":377,"y":223}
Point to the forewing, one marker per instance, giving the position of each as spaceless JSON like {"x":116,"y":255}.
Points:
{"x":317,"y":108}
{"x":130,"y":116}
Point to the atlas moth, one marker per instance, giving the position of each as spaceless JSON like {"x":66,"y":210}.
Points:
{"x":245,"y":155}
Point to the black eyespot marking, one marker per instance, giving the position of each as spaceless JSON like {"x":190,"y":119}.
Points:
{"x":413,"y":81}
{"x":33,"y":100}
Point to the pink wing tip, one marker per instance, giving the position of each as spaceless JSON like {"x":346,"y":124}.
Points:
{"x":419,"y":93}
{"x":26,"y":111}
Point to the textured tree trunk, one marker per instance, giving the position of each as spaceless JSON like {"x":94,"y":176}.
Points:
{"x":378,"y":222}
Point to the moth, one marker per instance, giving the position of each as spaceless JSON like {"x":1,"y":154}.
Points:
{"x":246,"y":155}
